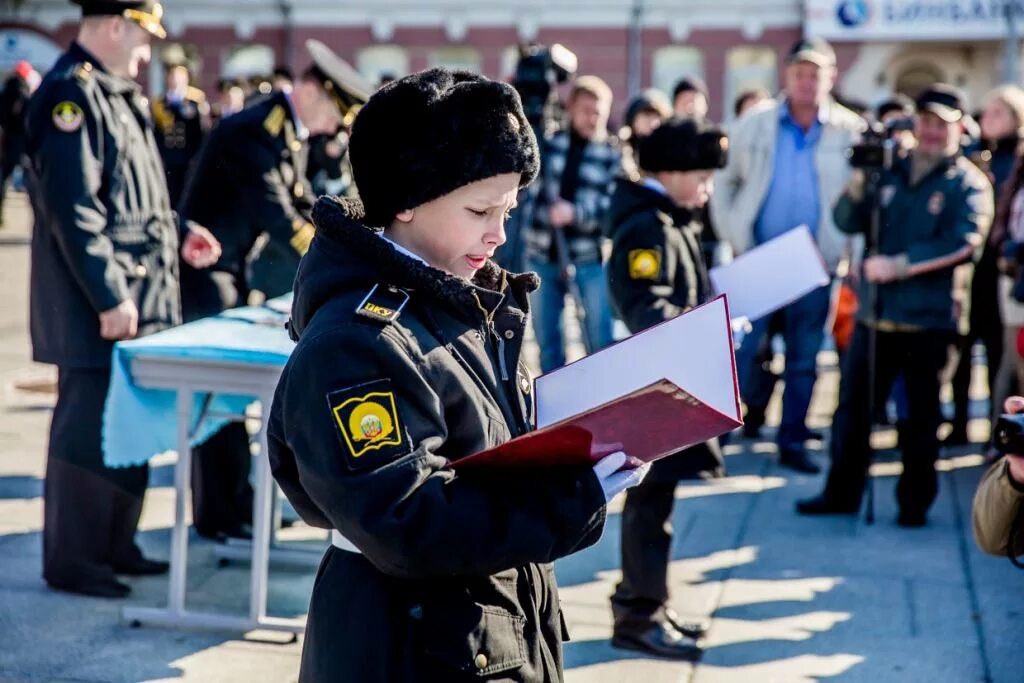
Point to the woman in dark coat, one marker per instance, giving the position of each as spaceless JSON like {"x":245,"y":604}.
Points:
{"x":408,"y":351}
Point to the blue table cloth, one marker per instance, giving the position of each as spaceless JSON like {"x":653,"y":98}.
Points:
{"x":140,"y":423}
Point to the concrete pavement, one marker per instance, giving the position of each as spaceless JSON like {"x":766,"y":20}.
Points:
{"x":791,"y":599}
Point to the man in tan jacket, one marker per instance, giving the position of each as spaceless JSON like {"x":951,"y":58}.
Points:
{"x":787,"y":167}
{"x":999,"y":498}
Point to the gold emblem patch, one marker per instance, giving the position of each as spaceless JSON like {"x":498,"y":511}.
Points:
{"x":368,"y":422}
{"x":68,"y":117}
{"x":644,"y":264}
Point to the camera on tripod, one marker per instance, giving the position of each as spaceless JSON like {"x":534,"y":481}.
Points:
{"x":539,"y":71}
{"x":873,"y":152}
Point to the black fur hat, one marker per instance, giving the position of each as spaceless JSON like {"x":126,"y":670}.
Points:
{"x":425,"y":135}
{"x":681,"y":144}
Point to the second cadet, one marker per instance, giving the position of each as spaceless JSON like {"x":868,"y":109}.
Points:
{"x":655,"y":273}
{"x":249,"y":187}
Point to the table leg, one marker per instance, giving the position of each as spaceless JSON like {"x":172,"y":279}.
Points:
{"x":182,"y":489}
{"x":261,"y":513}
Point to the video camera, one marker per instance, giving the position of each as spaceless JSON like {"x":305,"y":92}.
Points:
{"x":539,"y":71}
{"x":875,"y":150}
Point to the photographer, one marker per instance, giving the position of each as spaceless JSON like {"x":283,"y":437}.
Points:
{"x":578,"y":170}
{"x":935,"y":211}
{"x":997,"y":502}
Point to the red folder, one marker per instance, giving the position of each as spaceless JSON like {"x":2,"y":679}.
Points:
{"x":649,"y":424}
{"x":641,"y":407}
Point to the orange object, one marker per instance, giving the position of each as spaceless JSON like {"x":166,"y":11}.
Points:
{"x":846,"y":317}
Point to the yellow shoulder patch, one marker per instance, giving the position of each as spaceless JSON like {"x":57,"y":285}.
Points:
{"x":644,"y":264}
{"x":366,"y":417}
{"x":68,"y":116}
{"x":274,"y":122}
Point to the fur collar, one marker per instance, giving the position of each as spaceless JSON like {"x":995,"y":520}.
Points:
{"x":339,"y":220}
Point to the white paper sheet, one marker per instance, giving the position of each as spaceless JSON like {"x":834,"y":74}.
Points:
{"x":694,"y":351}
{"x":771,"y":276}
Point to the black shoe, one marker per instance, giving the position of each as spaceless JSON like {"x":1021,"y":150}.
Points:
{"x":798,"y":460}
{"x":957,"y":437}
{"x":690,"y":629}
{"x":96,"y":588}
{"x":912,"y":520}
{"x":820,"y":505}
{"x":142,"y":567}
{"x":658,"y":639}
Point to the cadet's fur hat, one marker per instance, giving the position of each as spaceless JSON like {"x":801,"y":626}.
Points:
{"x":425,"y":135}
{"x":682,"y":144}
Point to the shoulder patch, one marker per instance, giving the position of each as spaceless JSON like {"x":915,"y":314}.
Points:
{"x":644,"y":264}
{"x":274,"y":122}
{"x":68,"y":116}
{"x":370,"y":430}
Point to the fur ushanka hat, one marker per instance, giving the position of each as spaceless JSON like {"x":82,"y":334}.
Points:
{"x":423,"y":136}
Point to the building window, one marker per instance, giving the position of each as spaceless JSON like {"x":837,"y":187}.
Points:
{"x":246,"y":61}
{"x":456,"y":58}
{"x":378,"y":61}
{"x":746,"y":68}
{"x":673,"y":63}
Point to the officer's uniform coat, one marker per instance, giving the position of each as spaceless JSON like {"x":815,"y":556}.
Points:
{"x":104,"y":233}
{"x":249,"y":188}
{"x":453,"y":581}
{"x":249,"y":181}
{"x":179,"y":126}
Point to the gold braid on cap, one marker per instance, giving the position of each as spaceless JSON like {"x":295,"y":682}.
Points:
{"x":150,"y":21}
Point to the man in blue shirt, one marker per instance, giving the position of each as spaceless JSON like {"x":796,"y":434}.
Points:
{"x":787,"y":167}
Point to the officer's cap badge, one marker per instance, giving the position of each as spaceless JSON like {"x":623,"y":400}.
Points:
{"x":68,"y":116}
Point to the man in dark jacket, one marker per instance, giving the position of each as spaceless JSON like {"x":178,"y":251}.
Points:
{"x":250,"y":187}
{"x":936,"y":211}
{"x":104,"y":268}
{"x":655,"y":273}
{"x":14,"y":97}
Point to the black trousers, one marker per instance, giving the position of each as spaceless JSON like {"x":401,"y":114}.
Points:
{"x":642,"y":595}
{"x":920,"y":357}
{"x":221,"y":493}
{"x":90,"y":511}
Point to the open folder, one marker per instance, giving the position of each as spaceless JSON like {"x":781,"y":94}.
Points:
{"x":665,"y":389}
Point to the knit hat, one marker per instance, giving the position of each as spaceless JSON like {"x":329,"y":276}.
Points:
{"x":682,"y":144}
{"x":652,"y":100}
{"x":423,"y":136}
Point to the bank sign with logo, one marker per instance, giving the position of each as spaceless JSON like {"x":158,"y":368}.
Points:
{"x":900,"y":20}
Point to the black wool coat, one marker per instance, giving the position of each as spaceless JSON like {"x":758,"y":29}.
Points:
{"x":656,"y":272}
{"x":454,"y":579}
{"x":104,"y":231}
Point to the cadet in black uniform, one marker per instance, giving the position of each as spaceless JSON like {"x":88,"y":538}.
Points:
{"x":250,"y":187}
{"x":182,"y":117}
{"x":104,"y":268}
{"x":655,"y":273}
{"x":408,"y":359}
